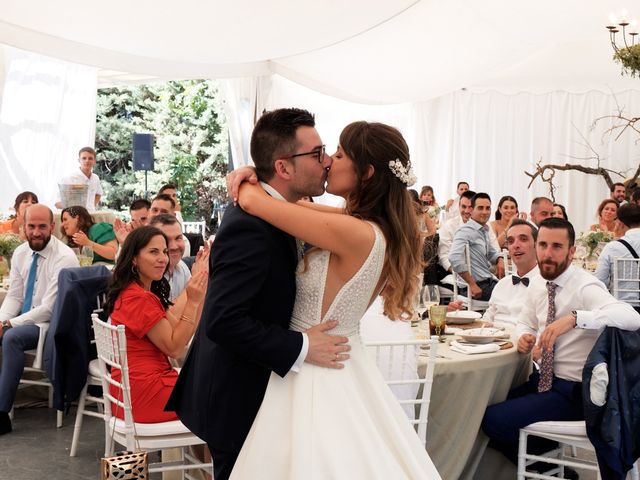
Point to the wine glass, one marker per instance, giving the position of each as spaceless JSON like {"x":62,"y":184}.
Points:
{"x":428,"y":295}
{"x":86,"y":257}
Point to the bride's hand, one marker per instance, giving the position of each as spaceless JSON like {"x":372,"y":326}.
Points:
{"x":235,"y":179}
{"x":248,"y":194}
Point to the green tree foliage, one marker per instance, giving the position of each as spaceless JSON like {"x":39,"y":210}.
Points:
{"x":191,"y":143}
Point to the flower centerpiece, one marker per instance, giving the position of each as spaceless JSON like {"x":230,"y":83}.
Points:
{"x":8,"y":243}
{"x":433,"y":211}
{"x":592,"y":240}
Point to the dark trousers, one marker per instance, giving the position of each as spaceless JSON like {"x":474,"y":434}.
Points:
{"x":15,"y":342}
{"x":524,"y":405}
{"x":223,"y":463}
{"x":487,"y":288}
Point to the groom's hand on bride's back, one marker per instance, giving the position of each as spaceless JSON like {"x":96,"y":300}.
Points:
{"x":326,"y":350}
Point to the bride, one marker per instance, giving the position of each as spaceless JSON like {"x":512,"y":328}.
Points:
{"x":343,"y":424}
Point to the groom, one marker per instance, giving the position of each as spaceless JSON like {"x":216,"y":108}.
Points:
{"x":243,"y":335}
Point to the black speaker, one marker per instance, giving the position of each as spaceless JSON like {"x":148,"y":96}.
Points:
{"x":143,"y":151}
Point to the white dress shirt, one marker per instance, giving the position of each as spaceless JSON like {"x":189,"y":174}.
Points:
{"x":305,"y":340}
{"x":178,"y":279}
{"x":454,"y":210}
{"x":446,"y":233}
{"x":52,"y":258}
{"x":93,"y":186}
{"x":581,"y":291}
{"x":606,"y":260}
{"x":507,"y":299}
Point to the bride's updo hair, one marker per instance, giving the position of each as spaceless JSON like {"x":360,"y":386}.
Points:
{"x":383,"y":199}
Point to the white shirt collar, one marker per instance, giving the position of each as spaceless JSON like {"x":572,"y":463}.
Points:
{"x":272,"y":191}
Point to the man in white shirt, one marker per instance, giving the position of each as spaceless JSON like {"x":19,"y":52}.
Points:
{"x":449,"y":228}
{"x":564,"y":312}
{"x":451,"y":208}
{"x":30,"y":299}
{"x":627,"y":246}
{"x":85,"y":176}
{"x":541,"y":208}
{"x":508,"y":295}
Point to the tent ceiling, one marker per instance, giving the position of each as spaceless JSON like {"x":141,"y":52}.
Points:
{"x":373,"y":51}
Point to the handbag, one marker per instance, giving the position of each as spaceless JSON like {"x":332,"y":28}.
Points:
{"x":125,"y":465}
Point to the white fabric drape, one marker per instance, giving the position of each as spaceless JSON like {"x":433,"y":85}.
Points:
{"x":490,"y":139}
{"x":48,"y":113}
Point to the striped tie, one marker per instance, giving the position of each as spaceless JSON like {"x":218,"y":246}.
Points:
{"x":546,"y":362}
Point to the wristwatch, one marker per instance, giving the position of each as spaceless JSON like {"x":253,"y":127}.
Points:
{"x":5,"y":324}
{"x":575,"y":318}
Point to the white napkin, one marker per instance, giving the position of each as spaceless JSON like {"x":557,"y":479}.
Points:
{"x":470,"y":349}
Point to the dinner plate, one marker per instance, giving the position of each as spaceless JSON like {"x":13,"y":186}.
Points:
{"x":462,"y":316}
{"x":481,"y":335}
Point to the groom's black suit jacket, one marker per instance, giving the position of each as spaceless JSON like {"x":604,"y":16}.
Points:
{"x":243,"y":333}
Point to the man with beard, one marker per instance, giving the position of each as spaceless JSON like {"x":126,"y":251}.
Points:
{"x":563,"y":314}
{"x":35,"y":266}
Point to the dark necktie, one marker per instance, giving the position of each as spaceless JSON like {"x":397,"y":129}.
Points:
{"x":516,"y":280}
{"x":546,"y":362}
{"x":31,"y":282}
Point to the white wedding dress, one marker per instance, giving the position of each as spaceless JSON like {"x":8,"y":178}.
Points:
{"x":326,"y":424}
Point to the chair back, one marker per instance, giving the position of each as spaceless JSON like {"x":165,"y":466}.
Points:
{"x":398,"y":362}
{"x":111,"y":345}
{"x":471,"y":303}
{"x":194,"y":227}
{"x":509,"y":266}
{"x":626,"y":280}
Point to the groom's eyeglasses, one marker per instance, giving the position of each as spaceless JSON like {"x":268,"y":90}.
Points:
{"x":318,"y":153}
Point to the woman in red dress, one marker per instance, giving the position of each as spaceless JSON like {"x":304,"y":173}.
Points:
{"x":138,"y":298}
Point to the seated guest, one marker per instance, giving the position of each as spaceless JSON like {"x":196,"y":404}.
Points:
{"x":563,"y":314}
{"x":138,"y":298}
{"x":178,"y":273}
{"x":475,"y":235}
{"x":451,"y":208}
{"x":162,"y":203}
{"x":607,"y":216}
{"x":450,"y":227}
{"x":618,"y":193}
{"x":15,"y":224}
{"x":541,"y":209}
{"x":79,"y":230}
{"x":560,"y":212}
{"x":171,"y":190}
{"x":29,"y":301}
{"x":508,"y":295}
{"x":427,"y":197}
{"x":506,"y":212}
{"x":139,"y":212}
{"x":627,"y":246}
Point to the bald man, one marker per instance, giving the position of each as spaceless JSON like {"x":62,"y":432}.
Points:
{"x":29,"y":302}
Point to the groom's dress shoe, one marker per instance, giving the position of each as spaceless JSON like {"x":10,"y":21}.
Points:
{"x":5,"y":423}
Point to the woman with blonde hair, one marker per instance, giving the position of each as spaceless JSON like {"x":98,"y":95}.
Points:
{"x":344,"y":423}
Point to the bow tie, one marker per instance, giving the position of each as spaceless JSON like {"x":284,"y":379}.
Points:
{"x":516,"y":280}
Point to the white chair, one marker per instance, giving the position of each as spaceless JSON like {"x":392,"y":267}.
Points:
{"x":112,"y":353}
{"x":625,"y":281}
{"x":571,"y":434}
{"x":469,"y":301}
{"x":36,"y":369}
{"x":398,"y":362}
{"x":194,"y":227}
{"x":93,"y":379}
{"x":509,"y":266}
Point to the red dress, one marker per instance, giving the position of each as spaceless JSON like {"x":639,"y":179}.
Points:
{"x":150,"y":375}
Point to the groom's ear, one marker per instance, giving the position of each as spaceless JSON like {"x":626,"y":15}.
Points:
{"x":283,"y":169}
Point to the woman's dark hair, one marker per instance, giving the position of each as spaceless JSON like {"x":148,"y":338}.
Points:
{"x":85,"y":222}
{"x":381,"y":197}
{"x":124,"y":272}
{"x":22,"y":197}
{"x":506,"y":198}
{"x":564,"y":211}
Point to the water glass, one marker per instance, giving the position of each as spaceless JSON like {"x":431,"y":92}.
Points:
{"x":86,"y":257}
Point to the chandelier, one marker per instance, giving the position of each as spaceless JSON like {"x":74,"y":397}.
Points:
{"x":627,"y":53}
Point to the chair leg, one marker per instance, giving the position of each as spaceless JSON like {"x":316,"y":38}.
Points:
{"x":59,"y":418}
{"x":78,"y":425}
{"x":522,"y":451}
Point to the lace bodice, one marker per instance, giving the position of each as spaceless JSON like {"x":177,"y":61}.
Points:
{"x":352,"y":300}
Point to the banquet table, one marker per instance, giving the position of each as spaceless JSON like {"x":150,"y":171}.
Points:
{"x":463,"y":387}
{"x":98,"y":216}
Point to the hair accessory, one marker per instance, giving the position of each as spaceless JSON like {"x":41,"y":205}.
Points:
{"x":404,"y":174}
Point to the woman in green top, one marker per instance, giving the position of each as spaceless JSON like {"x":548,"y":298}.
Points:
{"x":79,"y":230}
